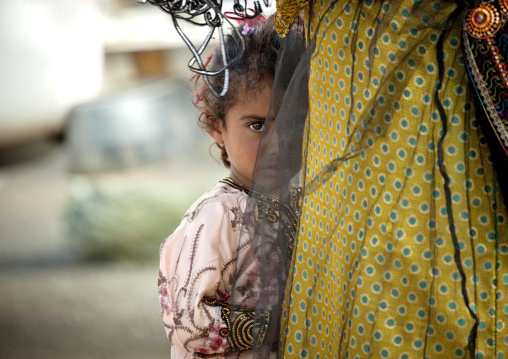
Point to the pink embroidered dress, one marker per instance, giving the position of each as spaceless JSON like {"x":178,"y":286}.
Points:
{"x":208,"y":284}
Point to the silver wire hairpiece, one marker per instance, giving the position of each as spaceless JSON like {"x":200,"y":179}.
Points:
{"x":208,"y":13}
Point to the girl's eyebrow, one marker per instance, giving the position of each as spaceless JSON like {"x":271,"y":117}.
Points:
{"x":253,"y":117}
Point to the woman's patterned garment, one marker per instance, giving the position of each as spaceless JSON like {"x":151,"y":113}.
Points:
{"x":404,"y":209}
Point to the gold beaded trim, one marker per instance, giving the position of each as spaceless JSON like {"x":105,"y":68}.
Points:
{"x":483,"y":21}
{"x":500,"y":66}
{"x":233,"y":184}
{"x":503,"y":4}
{"x":239,"y":330}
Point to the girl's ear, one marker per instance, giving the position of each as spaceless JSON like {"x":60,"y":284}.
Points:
{"x":217,"y":132}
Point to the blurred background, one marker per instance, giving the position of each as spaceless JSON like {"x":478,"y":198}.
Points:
{"x":100,"y":156}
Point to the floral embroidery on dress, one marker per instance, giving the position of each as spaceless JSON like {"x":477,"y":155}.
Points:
{"x":204,"y":258}
{"x":208,"y":280}
{"x":224,"y":296}
{"x":167,"y":306}
{"x":236,"y":222}
{"x":249,"y":218}
{"x":214,"y":342}
{"x":246,"y":289}
{"x":191,"y":215}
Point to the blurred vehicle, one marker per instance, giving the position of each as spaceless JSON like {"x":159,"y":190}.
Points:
{"x":50,"y":58}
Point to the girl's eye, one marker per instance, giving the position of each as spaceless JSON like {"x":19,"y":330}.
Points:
{"x":257,"y":126}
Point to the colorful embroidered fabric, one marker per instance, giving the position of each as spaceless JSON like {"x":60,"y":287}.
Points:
{"x":402,"y":250}
{"x":485,"y":38}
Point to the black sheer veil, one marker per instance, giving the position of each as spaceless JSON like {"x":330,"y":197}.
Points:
{"x":285,"y":140}
{"x":271,"y":219}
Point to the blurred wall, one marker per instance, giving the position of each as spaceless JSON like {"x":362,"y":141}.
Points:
{"x":51,"y":57}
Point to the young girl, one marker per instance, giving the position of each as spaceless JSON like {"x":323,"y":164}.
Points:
{"x":208,"y":284}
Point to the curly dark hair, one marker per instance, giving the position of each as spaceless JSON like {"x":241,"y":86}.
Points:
{"x":252,"y":67}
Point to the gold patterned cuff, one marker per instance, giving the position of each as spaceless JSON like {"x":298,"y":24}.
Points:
{"x":244,"y":330}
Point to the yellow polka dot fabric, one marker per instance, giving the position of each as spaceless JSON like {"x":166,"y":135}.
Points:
{"x":377,"y":269}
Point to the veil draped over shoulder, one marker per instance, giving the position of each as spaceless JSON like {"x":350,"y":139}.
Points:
{"x":390,"y":236}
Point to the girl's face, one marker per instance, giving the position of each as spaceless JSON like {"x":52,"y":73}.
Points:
{"x":244,"y":123}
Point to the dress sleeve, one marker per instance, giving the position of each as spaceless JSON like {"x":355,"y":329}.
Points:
{"x":197,"y":269}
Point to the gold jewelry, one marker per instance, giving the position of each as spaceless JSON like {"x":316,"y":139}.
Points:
{"x":484,"y":20}
{"x":503,"y":4}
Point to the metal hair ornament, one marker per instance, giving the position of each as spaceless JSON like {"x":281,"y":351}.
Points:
{"x":207,"y":13}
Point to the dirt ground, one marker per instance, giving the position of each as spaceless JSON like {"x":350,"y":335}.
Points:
{"x":80,"y":312}
{"x":53,"y":306}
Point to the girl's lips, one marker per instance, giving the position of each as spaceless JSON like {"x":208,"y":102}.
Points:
{"x":270,"y":168}
{"x":268,"y":171}
{"x":270,"y":165}
{"x":271,"y":173}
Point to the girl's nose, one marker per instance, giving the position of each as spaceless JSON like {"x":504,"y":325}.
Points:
{"x":273,"y":142}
